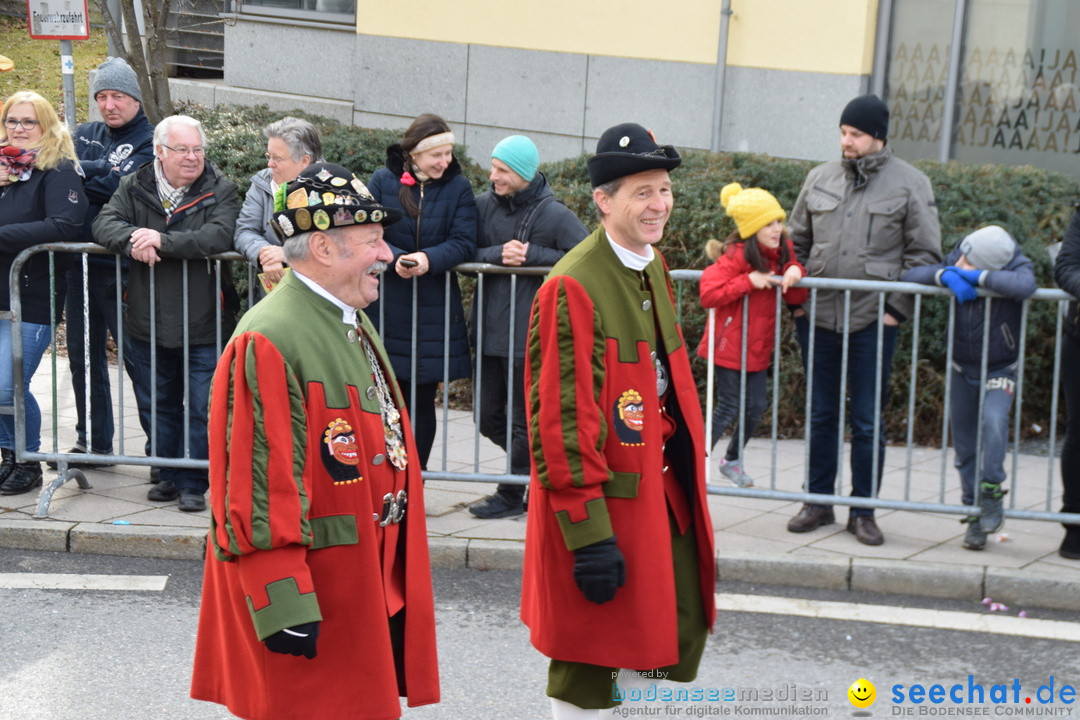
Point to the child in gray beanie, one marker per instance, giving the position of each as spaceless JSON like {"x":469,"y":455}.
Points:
{"x":115,"y":74}
{"x":987,"y":258}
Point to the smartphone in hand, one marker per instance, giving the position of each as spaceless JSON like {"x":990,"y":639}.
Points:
{"x":409,"y":263}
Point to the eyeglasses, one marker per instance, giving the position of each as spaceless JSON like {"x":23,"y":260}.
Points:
{"x":11,"y":124}
{"x":196,"y":151}
{"x":275,"y":159}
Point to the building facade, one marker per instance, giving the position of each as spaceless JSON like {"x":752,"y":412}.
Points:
{"x":768,"y":76}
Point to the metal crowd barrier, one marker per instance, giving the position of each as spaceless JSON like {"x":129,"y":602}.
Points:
{"x":50,"y":451}
{"x":442,"y":467}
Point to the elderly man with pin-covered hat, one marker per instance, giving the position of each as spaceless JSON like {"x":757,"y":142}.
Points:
{"x":317,"y":597}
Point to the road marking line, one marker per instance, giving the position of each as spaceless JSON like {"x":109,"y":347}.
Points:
{"x":64,"y":581}
{"x":908,"y":616}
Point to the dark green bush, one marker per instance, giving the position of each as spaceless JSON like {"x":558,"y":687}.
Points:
{"x":1032,"y":204}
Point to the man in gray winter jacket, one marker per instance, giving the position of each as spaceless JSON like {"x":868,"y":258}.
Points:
{"x":169,"y":216}
{"x":869,"y":216}
{"x":519,"y":223}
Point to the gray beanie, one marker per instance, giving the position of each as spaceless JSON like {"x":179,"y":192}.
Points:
{"x":116,"y":74}
{"x":988,"y":248}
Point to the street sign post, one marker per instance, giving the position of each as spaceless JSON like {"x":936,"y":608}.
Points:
{"x":63,"y":20}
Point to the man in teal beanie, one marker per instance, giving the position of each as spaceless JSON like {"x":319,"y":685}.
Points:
{"x":519,"y":154}
{"x":519,"y":222}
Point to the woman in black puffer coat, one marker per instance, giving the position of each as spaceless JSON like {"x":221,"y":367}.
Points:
{"x":437,"y":231}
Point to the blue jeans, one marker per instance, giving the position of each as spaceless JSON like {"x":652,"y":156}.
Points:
{"x":35,"y":340}
{"x":100,"y":313}
{"x":168,"y":425}
{"x":727,"y":407}
{"x":825,"y":408}
{"x":963,"y":410}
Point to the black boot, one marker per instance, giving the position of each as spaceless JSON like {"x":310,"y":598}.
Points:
{"x":1070,"y":546}
{"x":7,"y":464}
{"x":25,"y":477}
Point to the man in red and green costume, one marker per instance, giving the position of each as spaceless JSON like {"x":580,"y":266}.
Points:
{"x":619,"y":563}
{"x":317,"y":597}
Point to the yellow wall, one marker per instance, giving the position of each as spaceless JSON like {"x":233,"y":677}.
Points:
{"x":824,"y":36}
{"x":827,"y":36}
{"x":680,"y":30}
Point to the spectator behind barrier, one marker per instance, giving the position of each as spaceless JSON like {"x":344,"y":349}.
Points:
{"x":437,"y":231}
{"x":108,"y":149}
{"x":745,"y":267}
{"x":167,"y":217}
{"x":291,"y":145}
{"x":41,"y":201}
{"x":987,"y":258}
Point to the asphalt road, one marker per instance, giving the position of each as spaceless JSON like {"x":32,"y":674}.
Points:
{"x":89,"y":654}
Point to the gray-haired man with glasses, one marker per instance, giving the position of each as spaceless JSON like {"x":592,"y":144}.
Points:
{"x":168,"y":216}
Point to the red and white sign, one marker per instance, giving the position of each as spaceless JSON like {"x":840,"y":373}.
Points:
{"x":57,"y":19}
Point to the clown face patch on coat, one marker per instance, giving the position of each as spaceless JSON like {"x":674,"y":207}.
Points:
{"x":628,"y":417}
{"x":339,"y":453}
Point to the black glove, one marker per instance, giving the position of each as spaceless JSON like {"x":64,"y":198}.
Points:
{"x":599,"y":570}
{"x":297,"y":640}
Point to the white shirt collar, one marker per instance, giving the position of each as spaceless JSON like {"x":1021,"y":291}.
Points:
{"x":348,"y":314}
{"x":631,"y":259}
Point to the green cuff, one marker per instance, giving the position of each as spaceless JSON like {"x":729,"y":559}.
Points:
{"x":287,"y":608}
{"x":593,"y":529}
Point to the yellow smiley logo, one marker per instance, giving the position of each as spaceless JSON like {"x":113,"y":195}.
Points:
{"x":862,"y":693}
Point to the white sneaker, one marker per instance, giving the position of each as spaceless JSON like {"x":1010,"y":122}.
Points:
{"x":732,"y":470}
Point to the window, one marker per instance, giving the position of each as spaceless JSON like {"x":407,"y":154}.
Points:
{"x":339,"y":11}
{"x":1018,"y":92}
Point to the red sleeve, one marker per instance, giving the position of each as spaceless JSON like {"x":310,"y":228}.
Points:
{"x":725,"y":281}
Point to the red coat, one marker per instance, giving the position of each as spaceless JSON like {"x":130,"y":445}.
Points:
{"x":597,"y":470}
{"x":723,"y":286}
{"x":297,"y":474}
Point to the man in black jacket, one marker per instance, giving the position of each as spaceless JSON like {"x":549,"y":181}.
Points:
{"x":169,"y":216}
{"x":108,"y":149}
{"x":519,"y":223}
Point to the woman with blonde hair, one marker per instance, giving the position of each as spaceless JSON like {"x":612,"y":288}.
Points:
{"x":41,"y":201}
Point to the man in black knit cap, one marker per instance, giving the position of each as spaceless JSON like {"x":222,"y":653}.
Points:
{"x":869,"y":216}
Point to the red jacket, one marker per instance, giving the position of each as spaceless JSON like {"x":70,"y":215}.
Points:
{"x":298,"y":478}
{"x":723,"y":286}
{"x":595,"y":472}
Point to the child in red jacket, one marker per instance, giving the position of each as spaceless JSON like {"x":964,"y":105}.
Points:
{"x":745,"y":271}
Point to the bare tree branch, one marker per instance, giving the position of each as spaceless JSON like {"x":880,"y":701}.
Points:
{"x":150,"y":64}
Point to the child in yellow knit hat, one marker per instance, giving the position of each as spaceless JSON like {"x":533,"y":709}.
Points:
{"x":745,"y":275}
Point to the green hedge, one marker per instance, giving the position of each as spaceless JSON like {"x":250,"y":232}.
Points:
{"x":1032,"y":204}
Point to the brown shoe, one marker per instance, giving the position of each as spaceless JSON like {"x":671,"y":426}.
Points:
{"x":811,"y":517}
{"x":865,"y":529}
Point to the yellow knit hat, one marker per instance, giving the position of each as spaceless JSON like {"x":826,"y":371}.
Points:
{"x":751,"y":209}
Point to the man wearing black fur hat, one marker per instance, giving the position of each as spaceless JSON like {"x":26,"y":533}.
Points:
{"x":869,"y":216}
{"x":619,"y":567}
{"x":318,"y":542}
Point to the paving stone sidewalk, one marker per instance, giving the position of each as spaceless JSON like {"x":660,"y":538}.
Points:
{"x":922,"y":554}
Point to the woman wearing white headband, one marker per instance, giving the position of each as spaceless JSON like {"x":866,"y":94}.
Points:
{"x":437,"y":232}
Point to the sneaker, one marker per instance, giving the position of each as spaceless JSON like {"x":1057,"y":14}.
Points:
{"x":191,"y":500}
{"x":496,"y":506}
{"x":975,"y":538}
{"x":25,"y":477}
{"x":164,"y":491}
{"x":993,"y":511}
{"x":732,"y":470}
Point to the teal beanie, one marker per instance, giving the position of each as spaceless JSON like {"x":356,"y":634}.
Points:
{"x":520,"y":155}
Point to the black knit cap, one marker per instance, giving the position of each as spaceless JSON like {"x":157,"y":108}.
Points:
{"x":627,"y":149}
{"x":326,"y":196}
{"x":869,"y":114}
